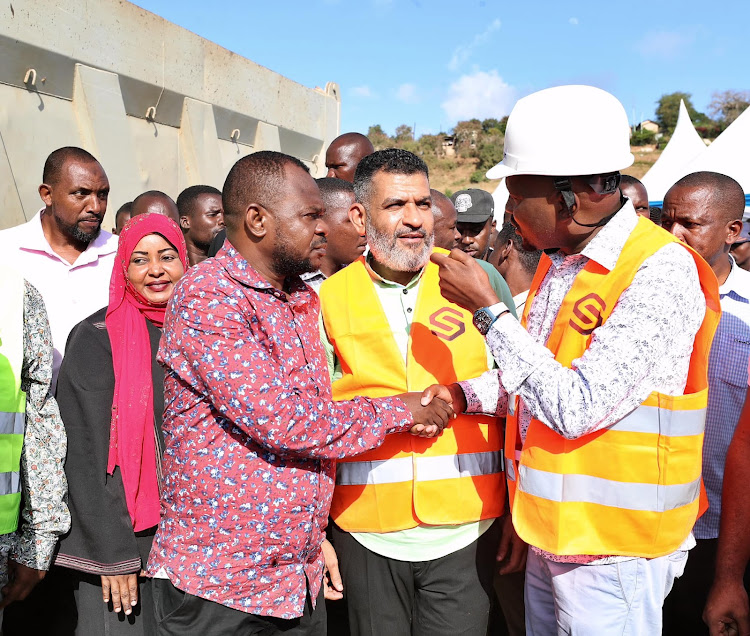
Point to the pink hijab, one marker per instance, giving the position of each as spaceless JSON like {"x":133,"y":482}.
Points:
{"x":132,"y":445}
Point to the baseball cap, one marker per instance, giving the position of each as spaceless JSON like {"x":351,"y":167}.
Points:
{"x":473,"y":205}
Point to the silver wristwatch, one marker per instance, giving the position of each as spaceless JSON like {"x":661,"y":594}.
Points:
{"x":486,"y":316}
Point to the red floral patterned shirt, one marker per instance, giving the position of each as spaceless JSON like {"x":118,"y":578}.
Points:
{"x":251,"y":439}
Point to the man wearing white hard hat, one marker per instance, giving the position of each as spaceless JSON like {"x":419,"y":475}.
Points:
{"x":603,"y":381}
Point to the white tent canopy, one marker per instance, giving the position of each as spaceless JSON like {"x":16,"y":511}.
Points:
{"x":729,"y":154}
{"x":684,"y":147}
{"x":500,"y":195}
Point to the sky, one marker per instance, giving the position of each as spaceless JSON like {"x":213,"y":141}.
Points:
{"x":431,"y":63}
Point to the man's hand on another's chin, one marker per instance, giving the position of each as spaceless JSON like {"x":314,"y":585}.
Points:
{"x":463,"y":281}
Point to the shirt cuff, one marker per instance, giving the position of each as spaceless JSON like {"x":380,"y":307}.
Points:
{"x":485,"y":394}
{"x":401,"y":420}
{"x":516,"y":353}
{"x":33,"y":552}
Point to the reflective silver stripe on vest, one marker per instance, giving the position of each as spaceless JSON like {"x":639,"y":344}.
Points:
{"x":617,"y":494}
{"x":456,"y":466}
{"x":652,"y":419}
{"x":10,"y":483}
{"x":384,"y":471}
{"x":392,"y":471}
{"x":509,"y":470}
{"x":11,"y":423}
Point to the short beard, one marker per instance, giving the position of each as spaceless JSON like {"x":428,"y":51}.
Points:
{"x":386,"y":250}
{"x":77,"y":233}
{"x":284,"y":263}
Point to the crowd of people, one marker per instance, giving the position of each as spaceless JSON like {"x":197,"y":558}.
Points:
{"x":355,"y":405}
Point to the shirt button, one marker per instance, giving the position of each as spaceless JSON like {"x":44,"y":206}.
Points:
{"x":408,"y":310}
{"x":406,"y":291}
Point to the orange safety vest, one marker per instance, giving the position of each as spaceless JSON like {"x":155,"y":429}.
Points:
{"x":448,"y":480}
{"x":631,"y":489}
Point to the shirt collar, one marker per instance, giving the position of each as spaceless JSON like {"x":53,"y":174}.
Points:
{"x":34,"y":239}
{"x":316,"y":275}
{"x":605,"y":248}
{"x":244,"y":273}
{"x":389,"y":283}
{"x":737,"y":283}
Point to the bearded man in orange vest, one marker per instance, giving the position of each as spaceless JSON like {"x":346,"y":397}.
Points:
{"x":604,"y":380}
{"x":415,"y":523}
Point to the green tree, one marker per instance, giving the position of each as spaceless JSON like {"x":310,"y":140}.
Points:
{"x":642,"y":137}
{"x":404,"y":133}
{"x":489,"y":151}
{"x":490,"y":125}
{"x":378,"y":137}
{"x":668,"y":109}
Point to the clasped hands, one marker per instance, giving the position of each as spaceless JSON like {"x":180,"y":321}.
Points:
{"x":434,"y":408}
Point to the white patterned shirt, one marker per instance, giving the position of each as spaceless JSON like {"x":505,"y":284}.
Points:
{"x":644,"y":346}
{"x":727,"y":388}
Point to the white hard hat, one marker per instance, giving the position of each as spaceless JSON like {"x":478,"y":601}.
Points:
{"x":565,"y":131}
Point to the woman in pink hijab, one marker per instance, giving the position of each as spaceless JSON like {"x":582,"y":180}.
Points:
{"x":111,"y":397}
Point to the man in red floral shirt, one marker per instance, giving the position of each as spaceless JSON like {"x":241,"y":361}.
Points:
{"x":251,"y":431}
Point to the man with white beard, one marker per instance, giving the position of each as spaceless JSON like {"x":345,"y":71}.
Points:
{"x":416,"y":522}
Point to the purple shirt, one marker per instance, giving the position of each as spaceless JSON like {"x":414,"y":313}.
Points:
{"x":251,"y":437}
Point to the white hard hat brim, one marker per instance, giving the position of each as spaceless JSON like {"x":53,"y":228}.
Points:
{"x":501,"y":170}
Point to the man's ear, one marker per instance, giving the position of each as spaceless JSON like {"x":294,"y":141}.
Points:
{"x":185,"y":223}
{"x":357,"y":214}
{"x":734,"y":229}
{"x":506,"y":249}
{"x":257,"y":220}
{"x":562,"y":208}
{"x":45,"y":192}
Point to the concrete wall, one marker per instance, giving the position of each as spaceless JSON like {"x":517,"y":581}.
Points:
{"x":160,"y":107}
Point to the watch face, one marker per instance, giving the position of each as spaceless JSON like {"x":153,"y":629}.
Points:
{"x":483,"y":321}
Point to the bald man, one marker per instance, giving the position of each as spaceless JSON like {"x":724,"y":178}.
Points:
{"x":157,"y":202}
{"x":345,"y":153}
{"x":704,"y":210}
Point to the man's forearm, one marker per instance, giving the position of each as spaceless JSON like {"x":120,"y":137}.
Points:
{"x":734,"y":537}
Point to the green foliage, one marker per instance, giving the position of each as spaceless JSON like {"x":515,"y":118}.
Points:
{"x":489,"y":151}
{"x":668,"y":109}
{"x":478,"y":176}
{"x":378,"y":137}
{"x":642,"y":137}
{"x":404,"y":133}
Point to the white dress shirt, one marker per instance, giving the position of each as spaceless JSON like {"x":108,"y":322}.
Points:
{"x":71,"y":291}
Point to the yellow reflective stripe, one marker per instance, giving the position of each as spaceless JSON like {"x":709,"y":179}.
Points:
{"x":384,"y":471}
{"x":605,"y":492}
{"x":457,"y":466}
{"x":660,"y":421}
{"x":401,"y":469}
{"x":11,"y":423}
{"x":10,"y":483}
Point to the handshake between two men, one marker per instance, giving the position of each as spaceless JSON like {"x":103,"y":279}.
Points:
{"x":434,"y":408}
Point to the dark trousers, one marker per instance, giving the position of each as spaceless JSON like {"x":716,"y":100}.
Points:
{"x":449,"y":596}
{"x":182,"y":614}
{"x":510,"y":598}
{"x":683,"y":608}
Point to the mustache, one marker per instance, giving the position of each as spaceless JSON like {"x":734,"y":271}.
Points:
{"x":421,"y":231}
{"x":319,"y":243}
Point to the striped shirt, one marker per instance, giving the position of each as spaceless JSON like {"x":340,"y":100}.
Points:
{"x":727,"y":387}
